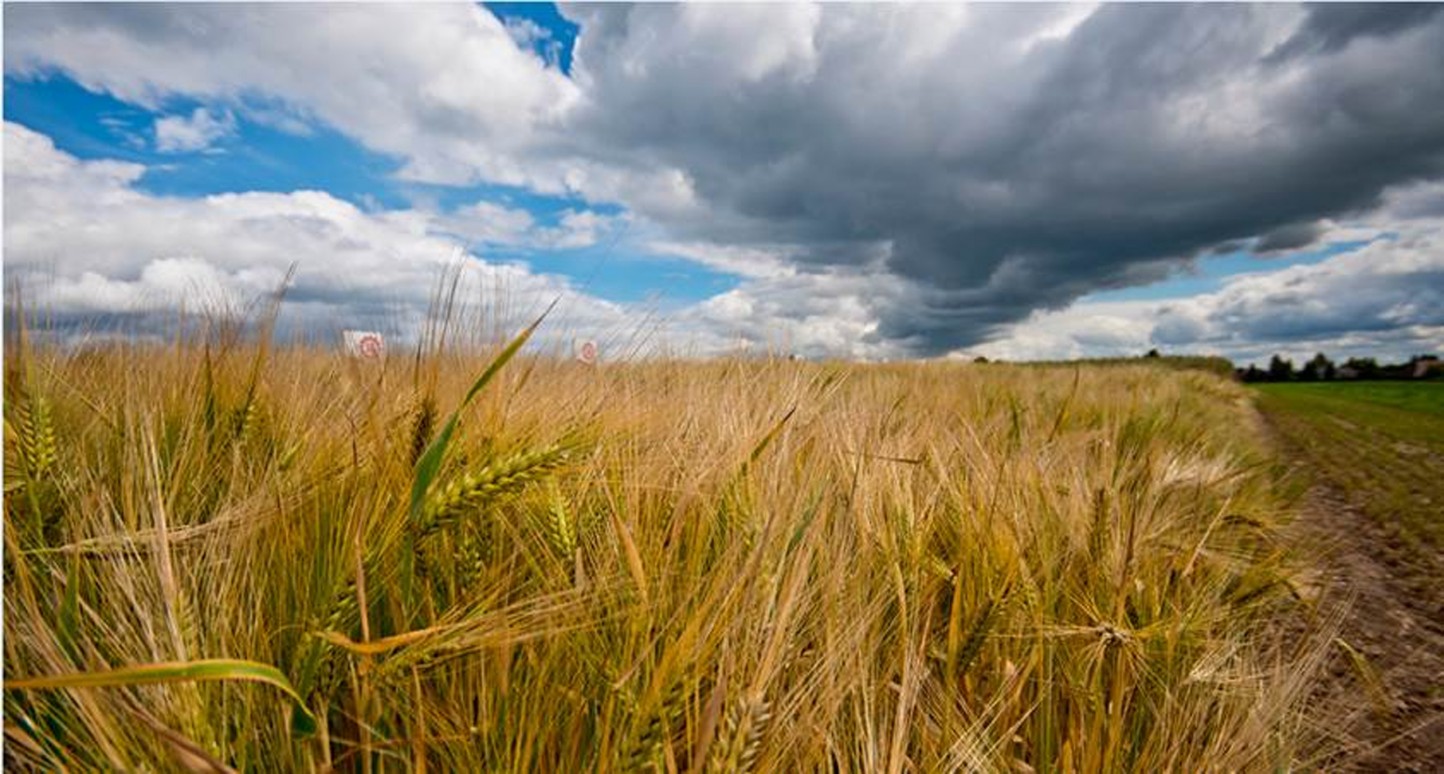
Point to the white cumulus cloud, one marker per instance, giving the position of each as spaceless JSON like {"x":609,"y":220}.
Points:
{"x":198,"y":131}
{"x":89,"y":245}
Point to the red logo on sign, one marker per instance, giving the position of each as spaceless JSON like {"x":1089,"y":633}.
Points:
{"x":369,"y":346}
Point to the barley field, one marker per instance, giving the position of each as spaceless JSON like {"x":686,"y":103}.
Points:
{"x":226,"y":554}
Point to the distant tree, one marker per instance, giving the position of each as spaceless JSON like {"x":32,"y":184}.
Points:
{"x":1319,"y":369}
{"x":1153,"y":353}
{"x":1253,"y":374}
{"x":1363,"y":367}
{"x":1395,"y":370}
{"x":980,"y":359}
{"x":1280,"y":370}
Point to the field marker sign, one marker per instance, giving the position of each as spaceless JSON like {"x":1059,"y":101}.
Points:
{"x":364,"y":345}
{"x":585,"y":351}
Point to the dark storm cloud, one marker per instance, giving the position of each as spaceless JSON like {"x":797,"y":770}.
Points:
{"x":1290,"y":237}
{"x":1004,"y":179}
{"x":1332,"y":26}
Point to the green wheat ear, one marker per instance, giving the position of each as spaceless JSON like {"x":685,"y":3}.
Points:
{"x":472,"y":491}
{"x":472,"y":552}
{"x":646,"y":753}
{"x":561,"y":529}
{"x":36,"y":436}
{"x":745,"y":725}
{"x":428,"y":465}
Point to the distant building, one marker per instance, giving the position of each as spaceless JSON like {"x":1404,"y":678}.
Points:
{"x":1426,"y":366}
{"x":1346,"y":372}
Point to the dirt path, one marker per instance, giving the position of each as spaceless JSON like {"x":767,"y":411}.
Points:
{"x":1394,"y":617}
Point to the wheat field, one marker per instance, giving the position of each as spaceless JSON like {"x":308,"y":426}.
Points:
{"x":224,"y":554}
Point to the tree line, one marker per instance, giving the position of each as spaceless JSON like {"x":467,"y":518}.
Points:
{"x":1321,"y":369}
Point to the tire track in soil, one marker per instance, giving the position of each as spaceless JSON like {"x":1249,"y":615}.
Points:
{"x":1394,"y":616}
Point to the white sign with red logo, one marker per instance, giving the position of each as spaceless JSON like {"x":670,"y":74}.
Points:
{"x":585,"y":350}
{"x":366,"y":345}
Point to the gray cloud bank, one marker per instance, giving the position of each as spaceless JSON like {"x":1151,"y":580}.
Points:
{"x":927,"y":175}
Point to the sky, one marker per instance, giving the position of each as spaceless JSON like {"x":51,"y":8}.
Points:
{"x":872,"y":182}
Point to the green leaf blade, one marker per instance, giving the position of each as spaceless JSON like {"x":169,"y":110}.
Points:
{"x":205,"y":670}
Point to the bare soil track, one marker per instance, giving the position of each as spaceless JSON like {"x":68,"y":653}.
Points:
{"x":1394,"y":618}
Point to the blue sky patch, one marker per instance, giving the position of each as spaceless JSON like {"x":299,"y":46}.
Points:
{"x":543,"y":207}
{"x":82,"y":123}
{"x":558,"y":34}
{"x":259,"y":157}
{"x":618,"y":275}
